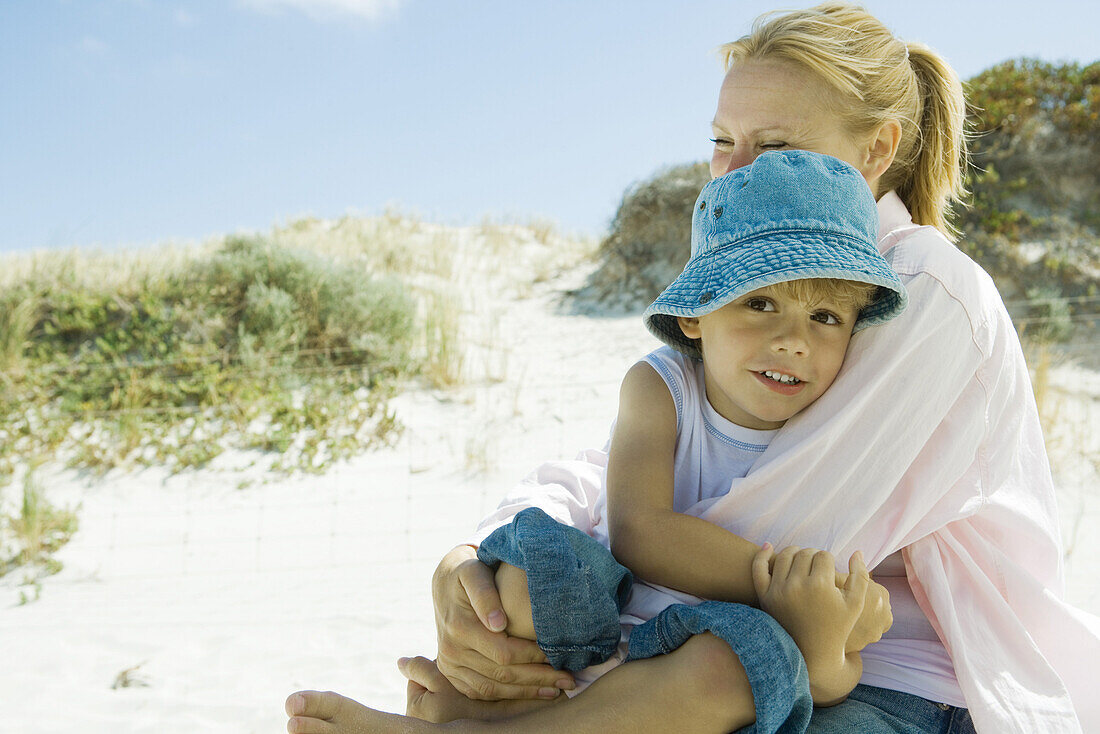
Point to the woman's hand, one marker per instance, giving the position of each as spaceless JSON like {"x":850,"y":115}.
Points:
{"x":431,"y":697}
{"x":475,"y":655}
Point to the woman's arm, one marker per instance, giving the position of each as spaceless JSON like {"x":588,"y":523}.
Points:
{"x":647,"y":536}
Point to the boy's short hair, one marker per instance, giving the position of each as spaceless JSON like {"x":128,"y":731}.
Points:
{"x":844,"y":294}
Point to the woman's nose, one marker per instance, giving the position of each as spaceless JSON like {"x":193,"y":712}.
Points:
{"x":723,"y":162}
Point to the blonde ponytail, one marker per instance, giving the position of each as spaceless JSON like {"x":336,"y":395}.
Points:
{"x":878,"y":77}
{"x":929,"y":176}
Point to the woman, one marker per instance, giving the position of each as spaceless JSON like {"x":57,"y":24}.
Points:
{"x":926,"y":453}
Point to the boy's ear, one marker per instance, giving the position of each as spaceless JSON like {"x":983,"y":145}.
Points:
{"x":689,"y":325}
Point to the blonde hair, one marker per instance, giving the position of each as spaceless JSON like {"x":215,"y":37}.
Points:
{"x":879,"y":77}
{"x":841,"y":294}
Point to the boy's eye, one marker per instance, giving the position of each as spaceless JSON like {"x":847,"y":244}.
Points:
{"x":773,"y":145}
{"x":825,"y":317}
{"x":721,"y":142}
{"x":760,"y":304}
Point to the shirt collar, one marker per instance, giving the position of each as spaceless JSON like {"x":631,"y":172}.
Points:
{"x":893,"y":220}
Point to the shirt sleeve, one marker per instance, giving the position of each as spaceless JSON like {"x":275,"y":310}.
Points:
{"x":565,"y":490}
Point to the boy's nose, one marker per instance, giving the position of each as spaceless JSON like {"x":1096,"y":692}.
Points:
{"x":791,"y":340}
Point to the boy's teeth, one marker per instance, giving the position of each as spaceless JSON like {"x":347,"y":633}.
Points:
{"x":780,"y":377}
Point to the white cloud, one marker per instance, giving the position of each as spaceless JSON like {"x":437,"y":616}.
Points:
{"x":183,"y":19}
{"x":329,"y":9}
{"x":93,"y":46}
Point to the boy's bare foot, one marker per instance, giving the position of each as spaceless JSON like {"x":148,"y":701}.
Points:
{"x":315,"y":712}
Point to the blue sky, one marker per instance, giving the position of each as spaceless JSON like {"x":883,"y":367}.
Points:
{"x":125,"y":122}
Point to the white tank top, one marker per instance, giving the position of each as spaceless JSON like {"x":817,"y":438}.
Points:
{"x":710,"y":451}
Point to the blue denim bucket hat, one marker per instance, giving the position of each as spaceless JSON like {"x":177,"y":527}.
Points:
{"x":789,"y":215}
{"x":577,"y":588}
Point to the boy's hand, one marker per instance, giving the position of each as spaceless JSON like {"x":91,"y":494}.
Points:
{"x":875,"y":619}
{"x":801,"y":593}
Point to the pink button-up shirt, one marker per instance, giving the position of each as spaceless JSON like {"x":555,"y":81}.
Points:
{"x":928,"y":442}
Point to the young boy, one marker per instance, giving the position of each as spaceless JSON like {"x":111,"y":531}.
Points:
{"x":784,"y":268}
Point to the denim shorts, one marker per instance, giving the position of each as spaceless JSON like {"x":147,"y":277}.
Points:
{"x":577,"y":591}
{"x":870,"y":710}
{"x":775,"y":668}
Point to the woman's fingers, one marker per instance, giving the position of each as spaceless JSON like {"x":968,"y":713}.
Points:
{"x":500,"y":649}
{"x":477,"y":580}
{"x":424,"y":673}
{"x":481,"y":663}
{"x":474,"y":685}
{"x":503,"y":671}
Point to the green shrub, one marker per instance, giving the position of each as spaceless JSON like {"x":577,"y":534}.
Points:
{"x":1034,"y":218}
{"x":650,"y":240}
{"x":252,"y":330}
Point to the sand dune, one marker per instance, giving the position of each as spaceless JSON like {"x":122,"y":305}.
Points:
{"x":197,"y":602}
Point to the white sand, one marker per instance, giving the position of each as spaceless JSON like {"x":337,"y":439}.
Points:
{"x":225,"y":590}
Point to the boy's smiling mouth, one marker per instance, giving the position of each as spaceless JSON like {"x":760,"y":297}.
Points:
{"x":780,"y":377}
{"x":781,"y":382}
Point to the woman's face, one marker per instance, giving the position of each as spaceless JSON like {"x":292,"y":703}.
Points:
{"x":774,"y":105}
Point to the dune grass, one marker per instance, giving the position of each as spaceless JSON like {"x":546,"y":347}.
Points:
{"x":251,"y":344}
{"x":32,"y":532}
{"x":290,"y":343}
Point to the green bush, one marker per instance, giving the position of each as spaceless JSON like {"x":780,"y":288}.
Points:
{"x":1034,"y":217}
{"x":650,"y":240}
{"x":254,"y":332}
{"x":1035,"y":146}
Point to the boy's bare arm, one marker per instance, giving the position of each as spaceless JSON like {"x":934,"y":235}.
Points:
{"x":650,"y":538}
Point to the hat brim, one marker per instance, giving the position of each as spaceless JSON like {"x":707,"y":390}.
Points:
{"x":706,"y":284}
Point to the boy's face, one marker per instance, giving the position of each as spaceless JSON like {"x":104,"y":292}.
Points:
{"x":753,"y":346}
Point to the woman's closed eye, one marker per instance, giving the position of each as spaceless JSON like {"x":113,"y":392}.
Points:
{"x":769,"y":145}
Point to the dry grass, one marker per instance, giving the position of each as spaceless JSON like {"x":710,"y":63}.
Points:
{"x":456,"y":276}
{"x":95,"y":268}
{"x":458,"y":341}
{"x":444,"y":351}
{"x":35,"y":531}
{"x":1039,"y":360}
